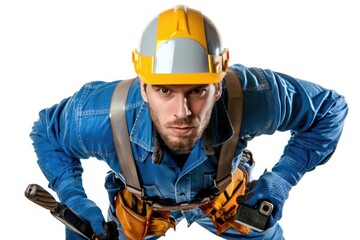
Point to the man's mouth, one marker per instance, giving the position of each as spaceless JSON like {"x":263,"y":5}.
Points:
{"x":181,"y":129}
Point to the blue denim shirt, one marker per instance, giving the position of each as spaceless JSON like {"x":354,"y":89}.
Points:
{"x":79,"y":128}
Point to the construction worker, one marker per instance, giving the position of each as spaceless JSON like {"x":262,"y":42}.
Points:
{"x":175,"y":136}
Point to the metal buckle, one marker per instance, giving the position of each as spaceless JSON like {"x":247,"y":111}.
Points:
{"x":223,"y":183}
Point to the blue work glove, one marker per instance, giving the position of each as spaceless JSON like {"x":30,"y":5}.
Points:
{"x":270,"y":187}
{"x":88,"y":211}
{"x":74,"y":196}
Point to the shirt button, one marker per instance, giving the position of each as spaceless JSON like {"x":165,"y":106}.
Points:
{"x":182,"y":194}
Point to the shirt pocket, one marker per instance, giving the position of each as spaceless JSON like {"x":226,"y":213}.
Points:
{"x":153,"y":191}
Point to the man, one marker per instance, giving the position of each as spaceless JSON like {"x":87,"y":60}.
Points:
{"x":182,"y":122}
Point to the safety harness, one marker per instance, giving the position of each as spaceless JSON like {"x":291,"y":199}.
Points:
{"x":220,"y":207}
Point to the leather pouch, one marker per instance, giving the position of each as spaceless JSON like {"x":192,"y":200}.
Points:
{"x":222,"y":209}
{"x":138,"y":219}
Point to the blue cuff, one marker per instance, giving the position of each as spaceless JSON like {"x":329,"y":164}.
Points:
{"x":289,"y":169}
{"x":70,"y":188}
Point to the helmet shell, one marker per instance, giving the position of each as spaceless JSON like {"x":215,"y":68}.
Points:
{"x":180,"y":46}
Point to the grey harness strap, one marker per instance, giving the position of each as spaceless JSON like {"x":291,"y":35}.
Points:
{"x":235,"y":109}
{"x":122,"y":141}
{"x":121,"y":137}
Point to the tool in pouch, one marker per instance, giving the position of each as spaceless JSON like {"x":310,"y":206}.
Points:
{"x":256,"y":218}
{"x":64,"y":214}
{"x":132,"y":184}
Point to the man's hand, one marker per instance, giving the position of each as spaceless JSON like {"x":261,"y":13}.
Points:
{"x":88,"y":211}
{"x":111,"y":232}
{"x":270,"y":187}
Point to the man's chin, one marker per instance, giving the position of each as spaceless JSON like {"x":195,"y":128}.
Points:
{"x":180,"y":145}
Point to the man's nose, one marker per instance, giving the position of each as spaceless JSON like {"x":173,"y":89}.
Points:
{"x":182,"y":108}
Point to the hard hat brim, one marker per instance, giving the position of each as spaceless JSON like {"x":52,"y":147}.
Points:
{"x":181,"y":78}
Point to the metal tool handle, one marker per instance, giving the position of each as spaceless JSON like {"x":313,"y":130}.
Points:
{"x":64,"y":214}
{"x":40,"y":196}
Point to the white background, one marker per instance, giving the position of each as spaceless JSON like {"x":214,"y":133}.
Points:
{"x":49,"y":49}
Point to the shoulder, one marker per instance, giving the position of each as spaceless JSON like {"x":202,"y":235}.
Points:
{"x":258,"y":99}
{"x":97,"y":91}
{"x":98,"y":94}
{"x":253,"y":78}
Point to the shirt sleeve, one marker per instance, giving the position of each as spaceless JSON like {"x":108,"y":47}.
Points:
{"x":56,"y":143}
{"x":313,"y":114}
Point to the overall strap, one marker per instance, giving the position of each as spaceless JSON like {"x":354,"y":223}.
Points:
{"x":235,"y":109}
{"x":121,"y":137}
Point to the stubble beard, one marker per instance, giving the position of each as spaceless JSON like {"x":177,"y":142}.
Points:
{"x":182,"y":142}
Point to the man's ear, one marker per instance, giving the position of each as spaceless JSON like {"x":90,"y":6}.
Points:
{"x":218,"y":90}
{"x":143,"y":91}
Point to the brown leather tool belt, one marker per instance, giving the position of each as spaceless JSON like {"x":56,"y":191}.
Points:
{"x":179,"y":207}
{"x":140,"y":218}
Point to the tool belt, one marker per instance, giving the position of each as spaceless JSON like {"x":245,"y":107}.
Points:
{"x":140,"y":219}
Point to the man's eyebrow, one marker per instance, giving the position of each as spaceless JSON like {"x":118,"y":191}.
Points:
{"x":198,"y":87}
{"x":174,"y":85}
{"x":201,"y":85}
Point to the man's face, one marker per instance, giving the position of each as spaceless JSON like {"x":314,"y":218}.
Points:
{"x":180,"y":113}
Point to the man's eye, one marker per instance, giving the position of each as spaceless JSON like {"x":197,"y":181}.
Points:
{"x":164,"y":90}
{"x":198,"y":91}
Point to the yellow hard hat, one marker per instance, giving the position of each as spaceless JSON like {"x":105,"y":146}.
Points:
{"x":180,"y":46}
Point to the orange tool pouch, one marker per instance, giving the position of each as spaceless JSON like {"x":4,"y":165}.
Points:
{"x":138,"y":219}
{"x":222,"y":209}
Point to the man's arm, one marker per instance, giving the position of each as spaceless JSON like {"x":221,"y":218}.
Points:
{"x":314,"y":115}
{"x":56,"y":143}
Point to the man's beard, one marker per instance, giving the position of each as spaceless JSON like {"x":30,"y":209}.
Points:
{"x":183,"y":142}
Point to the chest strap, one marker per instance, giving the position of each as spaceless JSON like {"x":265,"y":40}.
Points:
{"x":122,"y":141}
{"x":235,"y":110}
{"x":121,"y":138}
